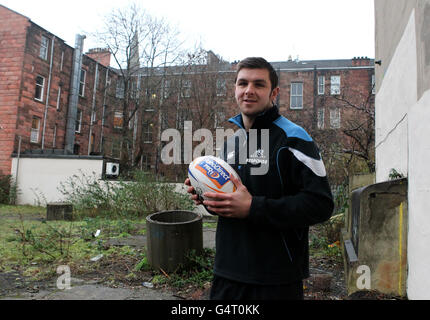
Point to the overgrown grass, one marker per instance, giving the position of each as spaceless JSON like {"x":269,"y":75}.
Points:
{"x":27,"y":211}
{"x":37,"y":247}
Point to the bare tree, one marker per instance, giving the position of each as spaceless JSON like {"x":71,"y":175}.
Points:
{"x":349,"y":149}
{"x":142,"y":47}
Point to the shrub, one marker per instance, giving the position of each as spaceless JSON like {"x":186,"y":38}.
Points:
{"x":8,"y":190}
{"x":141,"y":196}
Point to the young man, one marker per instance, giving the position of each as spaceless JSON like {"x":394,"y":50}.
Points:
{"x":262,"y":236}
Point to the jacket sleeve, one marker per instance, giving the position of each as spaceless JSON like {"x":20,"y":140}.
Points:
{"x":308,"y":201}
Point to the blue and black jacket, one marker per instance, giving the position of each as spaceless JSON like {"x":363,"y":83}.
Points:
{"x":271,"y":245}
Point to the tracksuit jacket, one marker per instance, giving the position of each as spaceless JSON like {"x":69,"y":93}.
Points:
{"x":271,"y":245}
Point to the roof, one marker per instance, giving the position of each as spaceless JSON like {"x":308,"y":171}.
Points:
{"x":322,"y":64}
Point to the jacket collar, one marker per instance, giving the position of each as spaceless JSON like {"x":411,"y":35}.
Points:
{"x":262,"y":121}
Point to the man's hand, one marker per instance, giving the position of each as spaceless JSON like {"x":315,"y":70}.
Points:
{"x":230,"y":205}
{"x":192,"y":192}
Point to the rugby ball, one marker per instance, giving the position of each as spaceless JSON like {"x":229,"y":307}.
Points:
{"x":211,"y":174}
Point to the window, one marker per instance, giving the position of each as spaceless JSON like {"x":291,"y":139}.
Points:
{"x":186,"y":89}
{"x":133,"y":120}
{"x":118,"y":120}
{"x":146,"y":162}
{"x":40,"y":84}
{"x":54,"y":138}
{"x":82,"y":83}
{"x":164,"y":120}
{"x":76,"y":149}
{"x":59,"y":98}
{"x":35,"y":127}
{"x":219,"y":119}
{"x":62,"y":61}
{"x":335,"y":118}
{"x":92,"y":143}
{"x":321,"y":85}
{"x":373,"y":84}
{"x":120,"y":88}
{"x":182,"y":116}
{"x":321,"y":118}
{"x":147,"y":132}
{"x":335,"y":85}
{"x":43,"y":53}
{"x":78,"y":121}
{"x":296,"y":95}
{"x":221,"y":88}
{"x":166,"y":93}
{"x":93,"y":117}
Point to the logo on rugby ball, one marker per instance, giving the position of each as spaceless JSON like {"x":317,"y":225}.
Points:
{"x":217,"y":173}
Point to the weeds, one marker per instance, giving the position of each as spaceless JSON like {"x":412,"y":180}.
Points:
{"x":139,"y":197}
{"x":196,"y":271}
{"x":8,"y":190}
{"x":50,"y":241}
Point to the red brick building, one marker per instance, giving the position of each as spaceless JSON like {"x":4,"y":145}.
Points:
{"x":36,"y":69}
{"x":53,"y":97}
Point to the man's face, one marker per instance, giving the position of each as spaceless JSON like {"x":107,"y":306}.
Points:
{"x":253,"y":91}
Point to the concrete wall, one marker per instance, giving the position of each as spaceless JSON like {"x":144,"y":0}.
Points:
{"x":402,"y":117}
{"x":39,"y":178}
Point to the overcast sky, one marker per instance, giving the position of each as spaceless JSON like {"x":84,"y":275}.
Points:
{"x":233,"y":29}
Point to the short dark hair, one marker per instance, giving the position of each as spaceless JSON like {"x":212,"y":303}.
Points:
{"x":258,"y":63}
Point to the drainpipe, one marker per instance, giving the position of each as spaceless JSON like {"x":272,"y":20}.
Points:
{"x":17,"y":159}
{"x":93,"y":108}
{"x":104,"y":110}
{"x":74,"y":91}
{"x":315,"y":104}
{"x":48,"y":93}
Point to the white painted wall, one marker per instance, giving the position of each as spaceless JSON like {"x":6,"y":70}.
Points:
{"x":398,"y":92}
{"x":39,"y":178}
{"x":419,"y":199}
{"x":402,"y":140}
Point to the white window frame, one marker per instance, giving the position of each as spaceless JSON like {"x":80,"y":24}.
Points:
{"x":219,"y":119}
{"x":321,"y":85}
{"x":147,"y":132}
{"x":82,"y":83}
{"x":42,"y":86}
{"x":93,"y":117}
{"x":62,"y":61}
{"x":166,"y":88}
{"x":54,"y":139}
{"x":335,"y":121}
{"x":186,"y":88}
{"x":221,"y":88}
{"x":44,"y":47}
{"x":78,"y":122}
{"x":116,"y":143}
{"x":120,"y":88}
{"x":118,"y":114}
{"x":373,"y":84}
{"x":146,"y":161}
{"x":335,"y":82}
{"x":59,"y":98}
{"x":321,"y":118}
{"x":295,"y":95}
{"x":34,"y":132}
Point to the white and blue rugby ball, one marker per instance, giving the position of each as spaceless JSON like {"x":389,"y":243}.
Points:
{"x":211,"y":174}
